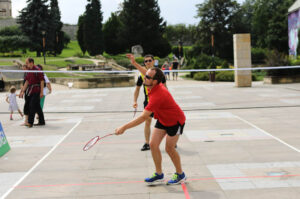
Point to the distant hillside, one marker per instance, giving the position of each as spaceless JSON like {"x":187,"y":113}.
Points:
{"x":69,"y":29}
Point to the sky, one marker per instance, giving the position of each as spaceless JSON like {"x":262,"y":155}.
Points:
{"x":173,"y":11}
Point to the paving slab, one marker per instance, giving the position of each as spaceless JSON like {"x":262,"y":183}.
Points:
{"x":238,"y":143}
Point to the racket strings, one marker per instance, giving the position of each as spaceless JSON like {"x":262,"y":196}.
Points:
{"x":91,"y":143}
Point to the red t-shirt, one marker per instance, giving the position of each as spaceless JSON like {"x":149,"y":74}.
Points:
{"x":34,"y":81}
{"x":164,"y":107}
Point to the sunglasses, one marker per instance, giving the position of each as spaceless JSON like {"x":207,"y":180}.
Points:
{"x":148,"y":60}
{"x":148,"y":77}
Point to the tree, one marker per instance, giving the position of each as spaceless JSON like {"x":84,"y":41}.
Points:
{"x":93,"y":35}
{"x":34,"y":19}
{"x":55,"y":35}
{"x":111,"y":34}
{"x":270,"y":24}
{"x":12,"y":39}
{"x":182,"y":32}
{"x":144,"y":26}
{"x":80,"y":34}
{"x":247,"y":10}
{"x":220,"y":15}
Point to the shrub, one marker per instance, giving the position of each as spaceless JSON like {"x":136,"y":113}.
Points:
{"x":225,"y":76}
{"x":139,"y":60}
{"x":275,"y":58}
{"x":258,"y":55}
{"x":124,"y":62}
{"x":201,"y":76}
{"x":258,"y":75}
{"x":224,"y":64}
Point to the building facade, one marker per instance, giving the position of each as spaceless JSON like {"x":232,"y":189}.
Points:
{"x":5,"y":8}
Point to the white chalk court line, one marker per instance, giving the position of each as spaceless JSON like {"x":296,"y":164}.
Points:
{"x":272,"y":136}
{"x":39,"y":162}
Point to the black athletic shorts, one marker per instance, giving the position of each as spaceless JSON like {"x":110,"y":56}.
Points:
{"x":171,"y":130}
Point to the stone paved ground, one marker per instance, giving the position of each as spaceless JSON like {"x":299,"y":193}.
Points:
{"x":238,"y":143}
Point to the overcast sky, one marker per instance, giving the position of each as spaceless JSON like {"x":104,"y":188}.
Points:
{"x":173,"y":11}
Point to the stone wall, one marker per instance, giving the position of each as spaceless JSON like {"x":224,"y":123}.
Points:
{"x":103,"y":82}
{"x":7,"y":22}
{"x":282,"y":80}
{"x":10,"y":83}
{"x":71,"y":30}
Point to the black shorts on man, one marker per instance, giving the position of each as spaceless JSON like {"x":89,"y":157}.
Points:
{"x":171,"y":130}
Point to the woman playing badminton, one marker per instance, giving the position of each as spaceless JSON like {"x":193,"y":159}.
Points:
{"x":170,"y":123}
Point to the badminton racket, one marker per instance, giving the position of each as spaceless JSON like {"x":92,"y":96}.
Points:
{"x":93,"y":141}
{"x":135,"y":110}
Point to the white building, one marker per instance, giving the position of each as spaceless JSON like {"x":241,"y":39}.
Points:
{"x":5,"y":8}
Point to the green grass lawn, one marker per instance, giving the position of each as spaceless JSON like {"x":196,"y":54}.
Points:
{"x":71,"y":50}
{"x":6,"y":63}
{"x":54,"y":63}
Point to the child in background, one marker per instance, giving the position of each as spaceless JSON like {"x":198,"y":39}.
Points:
{"x":164,"y":67}
{"x":12,"y":100}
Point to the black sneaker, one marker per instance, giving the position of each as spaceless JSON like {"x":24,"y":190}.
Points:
{"x":146,"y":147}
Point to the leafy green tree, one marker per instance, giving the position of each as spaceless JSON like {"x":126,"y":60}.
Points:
{"x":34,"y":19}
{"x":247,"y":10}
{"x":12,"y":39}
{"x":221,"y":15}
{"x":111,"y":34}
{"x":181,"y":32}
{"x":93,"y":35}
{"x":144,"y":26}
{"x":269,"y":23}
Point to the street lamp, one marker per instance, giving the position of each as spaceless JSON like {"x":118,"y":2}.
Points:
{"x":212,"y":73}
{"x":56,"y":44}
{"x":180,"y":49}
{"x":44,"y":45}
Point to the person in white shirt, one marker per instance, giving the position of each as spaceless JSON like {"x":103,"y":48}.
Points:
{"x":47,"y":88}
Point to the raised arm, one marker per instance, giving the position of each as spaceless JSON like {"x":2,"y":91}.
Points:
{"x":136,"y":65}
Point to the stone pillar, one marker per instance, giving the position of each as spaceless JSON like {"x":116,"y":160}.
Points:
{"x":242,"y":59}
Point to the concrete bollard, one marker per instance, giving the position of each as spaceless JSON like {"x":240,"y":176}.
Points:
{"x":242,"y":59}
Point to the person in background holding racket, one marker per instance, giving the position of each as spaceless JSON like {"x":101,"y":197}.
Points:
{"x":149,"y":63}
{"x":170,"y":123}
